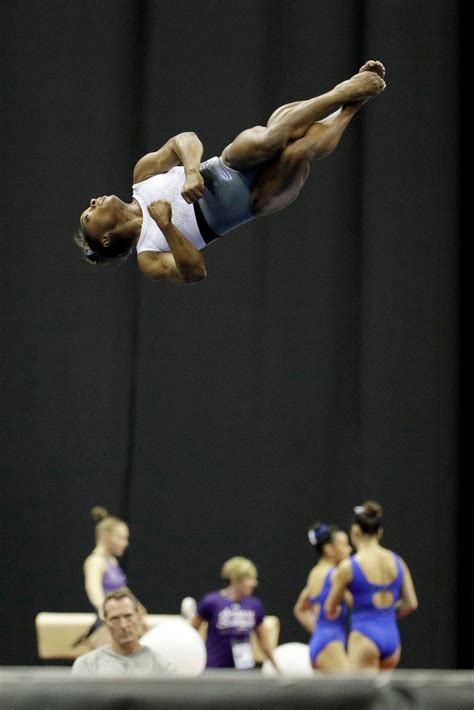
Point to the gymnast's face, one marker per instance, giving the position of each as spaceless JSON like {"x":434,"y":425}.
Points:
{"x":117,"y":540}
{"x":341,"y":546}
{"x":101,"y":216}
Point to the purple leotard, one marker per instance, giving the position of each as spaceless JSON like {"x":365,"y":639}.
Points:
{"x":326,"y":630}
{"x":228,"y":622}
{"x":114,"y":577}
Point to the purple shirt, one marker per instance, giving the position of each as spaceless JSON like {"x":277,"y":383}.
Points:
{"x":114,"y":577}
{"x":229,"y":622}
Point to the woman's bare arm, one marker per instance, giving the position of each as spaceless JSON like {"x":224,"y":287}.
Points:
{"x":185,"y":149}
{"x":408,"y":602}
{"x":185,"y":264}
{"x":94,"y":568}
{"x":262,"y":637}
{"x":304,"y":611}
{"x":341,"y":578}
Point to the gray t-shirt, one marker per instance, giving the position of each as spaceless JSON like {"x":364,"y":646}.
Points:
{"x":104,"y":661}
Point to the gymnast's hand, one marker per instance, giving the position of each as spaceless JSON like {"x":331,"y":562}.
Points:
{"x":193,"y":188}
{"x":160,"y":210}
{"x":333,"y":614}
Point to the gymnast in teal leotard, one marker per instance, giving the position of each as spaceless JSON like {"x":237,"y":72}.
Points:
{"x":382,"y":589}
{"x":327,"y":646}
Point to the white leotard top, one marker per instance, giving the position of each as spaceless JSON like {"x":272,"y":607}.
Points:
{"x":166,"y":186}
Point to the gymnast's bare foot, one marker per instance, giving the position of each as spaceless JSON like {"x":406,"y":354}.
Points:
{"x":373,"y":67}
{"x":361,"y":86}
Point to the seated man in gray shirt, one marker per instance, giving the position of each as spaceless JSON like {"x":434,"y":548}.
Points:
{"x":125,"y":656}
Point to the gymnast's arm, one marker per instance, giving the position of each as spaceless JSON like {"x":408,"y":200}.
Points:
{"x":408,"y":602}
{"x":341,"y":578}
{"x":94,"y":568}
{"x":185,"y":149}
{"x":184,"y":265}
{"x":304,"y":611}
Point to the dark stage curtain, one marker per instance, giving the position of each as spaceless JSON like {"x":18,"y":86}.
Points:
{"x":316,"y":367}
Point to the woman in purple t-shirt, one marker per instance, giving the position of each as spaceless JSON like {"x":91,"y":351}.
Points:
{"x":232,"y":614}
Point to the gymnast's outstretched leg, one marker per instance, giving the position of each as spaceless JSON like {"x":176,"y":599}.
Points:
{"x":291,"y":122}
{"x":281,"y":181}
{"x":279,"y":113}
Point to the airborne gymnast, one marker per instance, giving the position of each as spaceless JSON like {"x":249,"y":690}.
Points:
{"x":180,"y":205}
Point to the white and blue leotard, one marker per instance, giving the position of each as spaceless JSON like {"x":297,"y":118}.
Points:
{"x":225,"y":205}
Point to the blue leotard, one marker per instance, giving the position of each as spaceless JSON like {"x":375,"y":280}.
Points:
{"x":327,"y":630}
{"x":379,"y":625}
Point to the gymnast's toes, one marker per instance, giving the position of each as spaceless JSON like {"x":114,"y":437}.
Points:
{"x":375,"y":66}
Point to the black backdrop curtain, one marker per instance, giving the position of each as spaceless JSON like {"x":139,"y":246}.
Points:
{"x":316,"y":367}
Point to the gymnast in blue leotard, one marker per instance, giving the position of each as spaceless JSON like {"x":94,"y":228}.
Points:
{"x":327,"y":646}
{"x":382,"y":589}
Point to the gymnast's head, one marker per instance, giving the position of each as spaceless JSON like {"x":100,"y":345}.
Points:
{"x":108,"y":230}
{"x":367,"y":522}
{"x":329,"y":542}
{"x":111,"y":533}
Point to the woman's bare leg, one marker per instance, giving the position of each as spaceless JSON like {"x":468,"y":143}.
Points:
{"x":371,"y":65}
{"x":280,"y":182}
{"x":391,"y":662}
{"x":333,"y":657}
{"x":363,"y":653}
{"x":281,"y":110}
{"x":290,"y":122}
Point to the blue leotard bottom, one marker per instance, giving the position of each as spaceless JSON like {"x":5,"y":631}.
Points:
{"x":325,"y":633}
{"x":380,"y":626}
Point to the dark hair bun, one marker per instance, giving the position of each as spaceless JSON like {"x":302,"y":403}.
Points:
{"x":373,"y":509}
{"x":99,"y":513}
{"x":319,"y":534}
